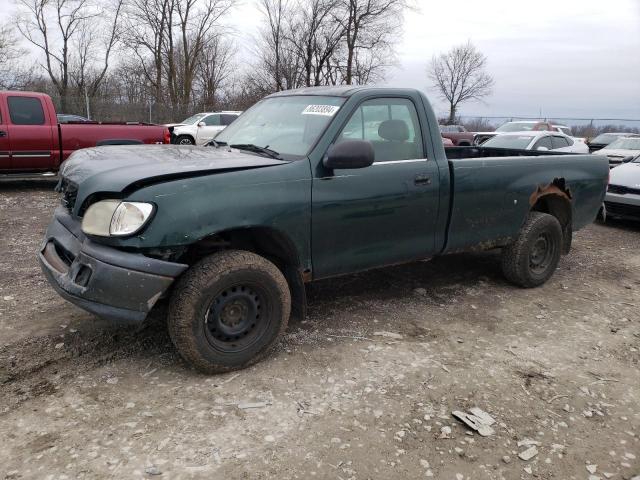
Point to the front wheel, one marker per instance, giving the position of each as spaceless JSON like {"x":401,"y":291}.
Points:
{"x":534,"y":256}
{"x":228,"y":311}
{"x":185,"y":140}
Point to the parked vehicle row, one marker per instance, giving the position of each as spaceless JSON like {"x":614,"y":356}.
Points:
{"x":33,"y":140}
{"x":545,"y":136}
{"x":538,"y":140}
{"x":521,"y":126}
{"x":606,"y":139}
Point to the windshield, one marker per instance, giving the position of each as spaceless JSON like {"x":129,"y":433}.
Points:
{"x":516,"y":127}
{"x":509,"y":141}
{"x":604,"y":138}
{"x":194,"y":118}
{"x":288,"y":125}
{"x":625,"y":144}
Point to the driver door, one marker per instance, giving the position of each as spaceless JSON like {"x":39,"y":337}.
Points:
{"x":382,"y":214}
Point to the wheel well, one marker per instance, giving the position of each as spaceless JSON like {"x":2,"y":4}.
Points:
{"x":266,"y":242}
{"x":555,"y":199}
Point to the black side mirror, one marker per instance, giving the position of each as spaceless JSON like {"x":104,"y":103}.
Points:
{"x":349,"y":154}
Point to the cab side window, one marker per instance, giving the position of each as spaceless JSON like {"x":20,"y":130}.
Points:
{"x":392,"y":127}
{"x":25,"y":111}
{"x":212,"y":121}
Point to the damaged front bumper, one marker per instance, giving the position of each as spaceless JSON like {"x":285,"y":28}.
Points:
{"x":103,"y":280}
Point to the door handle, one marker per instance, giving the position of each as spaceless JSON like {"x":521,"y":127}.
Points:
{"x":3,"y":133}
{"x":422,"y":180}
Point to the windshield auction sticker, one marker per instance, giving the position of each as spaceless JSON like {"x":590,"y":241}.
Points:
{"x":326,"y":110}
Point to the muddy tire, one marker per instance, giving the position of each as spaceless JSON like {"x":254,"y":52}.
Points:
{"x":228,"y":311}
{"x":533,"y":258}
{"x":185,"y":140}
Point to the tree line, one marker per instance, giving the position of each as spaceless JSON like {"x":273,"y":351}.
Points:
{"x":177,"y":56}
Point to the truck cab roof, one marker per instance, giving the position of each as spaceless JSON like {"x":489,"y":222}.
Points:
{"x":343,"y":91}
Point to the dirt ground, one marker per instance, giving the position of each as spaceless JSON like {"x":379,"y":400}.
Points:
{"x":558,"y":367}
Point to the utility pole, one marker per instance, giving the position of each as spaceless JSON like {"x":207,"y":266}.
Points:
{"x":86,"y":101}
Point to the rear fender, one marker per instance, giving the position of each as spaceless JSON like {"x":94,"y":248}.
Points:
{"x":555,"y":199}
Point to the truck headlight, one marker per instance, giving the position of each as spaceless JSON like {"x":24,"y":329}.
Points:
{"x":114,"y":218}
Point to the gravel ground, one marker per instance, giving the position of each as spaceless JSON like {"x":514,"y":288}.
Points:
{"x":557,"y":367}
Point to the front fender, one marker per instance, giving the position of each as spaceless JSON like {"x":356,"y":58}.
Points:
{"x":190,"y":209}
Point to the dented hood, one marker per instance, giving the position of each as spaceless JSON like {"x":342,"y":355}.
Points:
{"x":120,"y":168}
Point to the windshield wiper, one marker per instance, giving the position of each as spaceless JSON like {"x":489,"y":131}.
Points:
{"x":250,"y":147}
{"x":215,"y":143}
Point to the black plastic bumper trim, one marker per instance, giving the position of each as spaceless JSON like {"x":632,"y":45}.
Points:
{"x":105,"y":281}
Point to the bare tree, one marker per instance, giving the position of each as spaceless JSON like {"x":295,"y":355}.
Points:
{"x":369,"y":25}
{"x":460,"y":75}
{"x":66,"y":32}
{"x":147,"y":23}
{"x":13,"y":73}
{"x":214,"y":70}
{"x":194,"y":21}
{"x":326,"y":42}
{"x":171,"y":39}
{"x":92,"y":43}
{"x":273,"y":38}
{"x":279,"y":61}
{"x":315,"y":35}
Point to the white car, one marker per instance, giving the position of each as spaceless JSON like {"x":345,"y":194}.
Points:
{"x":622,"y":150}
{"x":538,"y":140}
{"x":201,"y":128}
{"x":522,"y":126}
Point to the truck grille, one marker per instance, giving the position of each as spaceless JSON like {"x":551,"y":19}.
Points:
{"x":622,"y":209}
{"x":69,"y":191}
{"x":621,"y":190}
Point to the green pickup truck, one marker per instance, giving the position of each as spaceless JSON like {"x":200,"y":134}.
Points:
{"x":305,"y":185}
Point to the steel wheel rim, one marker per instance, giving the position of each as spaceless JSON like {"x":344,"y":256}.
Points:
{"x":542,"y":254}
{"x":236,"y":318}
{"x":185,"y":141}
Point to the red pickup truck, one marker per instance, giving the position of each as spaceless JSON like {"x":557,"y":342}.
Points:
{"x":457,"y":134}
{"x":32,"y":140}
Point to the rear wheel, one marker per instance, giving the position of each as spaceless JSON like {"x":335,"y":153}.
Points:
{"x":228,"y":311}
{"x":185,"y":140}
{"x":534,"y":256}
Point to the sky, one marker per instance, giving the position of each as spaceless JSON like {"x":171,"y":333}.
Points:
{"x":549,"y":58}
{"x":562,"y":58}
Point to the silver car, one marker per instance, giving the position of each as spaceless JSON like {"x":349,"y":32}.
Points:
{"x":623,"y":195}
{"x":622,"y":150}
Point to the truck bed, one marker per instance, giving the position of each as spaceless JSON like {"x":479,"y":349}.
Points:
{"x":492,"y":189}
